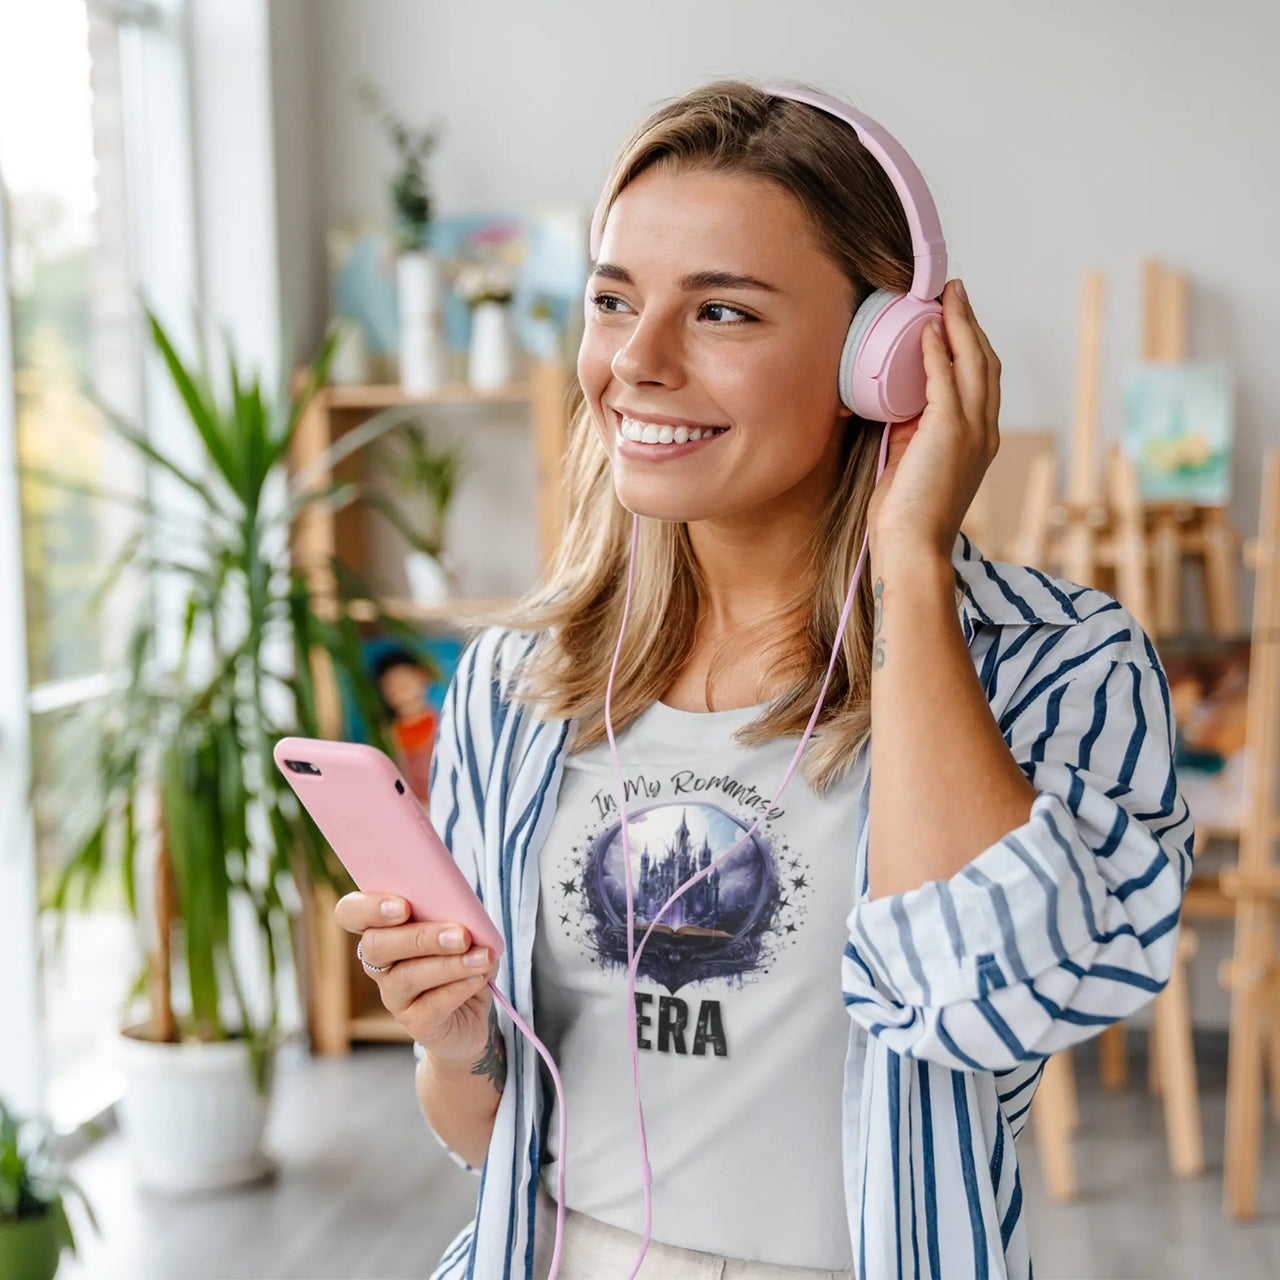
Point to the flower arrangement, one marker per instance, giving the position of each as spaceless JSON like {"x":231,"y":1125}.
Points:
{"x":489,"y":260}
{"x":410,"y":194}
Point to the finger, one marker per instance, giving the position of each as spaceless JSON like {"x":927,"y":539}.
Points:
{"x":357,"y":912}
{"x":993,"y":376}
{"x":391,"y":943}
{"x":970,"y":360}
{"x":940,"y":389}
{"x":432,"y":1009}
{"x":403,"y":984}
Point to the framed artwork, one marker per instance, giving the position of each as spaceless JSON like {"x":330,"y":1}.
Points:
{"x":1178,"y":426}
{"x":1208,"y":685}
{"x":362,"y":284}
{"x":412,"y":677}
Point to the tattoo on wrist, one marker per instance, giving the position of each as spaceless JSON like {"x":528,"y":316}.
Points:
{"x":877,"y":640}
{"x":493,"y":1062}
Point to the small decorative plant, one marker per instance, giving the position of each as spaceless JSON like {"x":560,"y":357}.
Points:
{"x":489,"y":260}
{"x":34,"y":1227}
{"x":410,"y":191}
{"x":419,"y":469}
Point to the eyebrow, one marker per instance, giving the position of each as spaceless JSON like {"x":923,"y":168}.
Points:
{"x":693,"y":282}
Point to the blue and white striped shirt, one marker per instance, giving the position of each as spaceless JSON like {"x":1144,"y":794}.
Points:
{"x":957,"y":991}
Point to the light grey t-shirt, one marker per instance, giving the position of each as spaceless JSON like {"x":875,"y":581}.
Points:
{"x":742,"y":1026}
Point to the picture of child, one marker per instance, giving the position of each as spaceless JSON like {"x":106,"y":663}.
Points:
{"x":405,"y":681}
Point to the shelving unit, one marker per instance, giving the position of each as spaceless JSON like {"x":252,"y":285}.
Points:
{"x":342,"y":1003}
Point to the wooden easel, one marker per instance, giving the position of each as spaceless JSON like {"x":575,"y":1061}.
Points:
{"x":1136,"y":551}
{"x":1253,"y":974}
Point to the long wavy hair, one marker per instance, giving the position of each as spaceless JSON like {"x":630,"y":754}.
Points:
{"x":735,"y":127}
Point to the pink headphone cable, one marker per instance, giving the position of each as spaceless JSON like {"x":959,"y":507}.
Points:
{"x":634,"y":952}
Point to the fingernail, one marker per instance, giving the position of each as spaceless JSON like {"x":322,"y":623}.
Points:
{"x":451,"y":939}
{"x":392,"y":908}
{"x":476,"y":959}
{"x":937,"y":326}
{"x":964,"y":297}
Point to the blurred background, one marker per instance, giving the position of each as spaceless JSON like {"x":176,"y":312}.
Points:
{"x":293,"y":296}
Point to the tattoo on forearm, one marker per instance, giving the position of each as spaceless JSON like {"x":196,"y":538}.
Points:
{"x":493,"y":1062}
{"x":877,"y":640}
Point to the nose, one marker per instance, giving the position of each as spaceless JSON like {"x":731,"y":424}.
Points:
{"x":651,"y":354}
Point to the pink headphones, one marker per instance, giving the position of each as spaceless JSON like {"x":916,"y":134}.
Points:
{"x":881,"y":373}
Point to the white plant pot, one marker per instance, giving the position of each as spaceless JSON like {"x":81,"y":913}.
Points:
{"x":423,"y":345}
{"x":428,"y":578}
{"x":191,"y":1117}
{"x":491,"y":357}
{"x":350,"y":364}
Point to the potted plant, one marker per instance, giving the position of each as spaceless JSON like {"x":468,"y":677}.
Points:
{"x":34,"y":1228}
{"x":418,"y":277}
{"x":428,"y":478}
{"x":209,"y":870}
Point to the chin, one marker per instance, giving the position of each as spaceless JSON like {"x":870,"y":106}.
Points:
{"x":675,"y":508}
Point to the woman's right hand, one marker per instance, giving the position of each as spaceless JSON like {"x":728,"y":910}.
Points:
{"x":435,"y":984}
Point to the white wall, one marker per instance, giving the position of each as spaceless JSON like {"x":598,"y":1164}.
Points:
{"x":1055,"y":139}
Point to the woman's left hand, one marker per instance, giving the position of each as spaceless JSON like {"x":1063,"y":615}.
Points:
{"x":936,"y":461}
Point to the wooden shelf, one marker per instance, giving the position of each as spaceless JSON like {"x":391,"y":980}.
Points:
{"x":388,"y":395}
{"x":377,"y":1026}
{"x":338,"y":1007}
{"x":412,"y":611}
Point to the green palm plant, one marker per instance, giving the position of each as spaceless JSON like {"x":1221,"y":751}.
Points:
{"x":420,"y":471}
{"x":198,"y":732}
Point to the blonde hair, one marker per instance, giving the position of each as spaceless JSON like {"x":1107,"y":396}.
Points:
{"x":735,"y":127}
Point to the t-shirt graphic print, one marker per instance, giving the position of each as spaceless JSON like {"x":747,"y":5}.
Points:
{"x":739,"y":1017}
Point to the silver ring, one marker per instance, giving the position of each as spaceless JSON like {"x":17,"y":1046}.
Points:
{"x":372,"y":968}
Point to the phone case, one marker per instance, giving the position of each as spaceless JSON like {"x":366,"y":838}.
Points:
{"x":381,"y":833}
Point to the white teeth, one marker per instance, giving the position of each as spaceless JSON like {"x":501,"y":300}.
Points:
{"x":651,"y":433}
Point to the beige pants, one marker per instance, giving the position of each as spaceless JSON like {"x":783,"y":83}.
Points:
{"x":594,"y":1250}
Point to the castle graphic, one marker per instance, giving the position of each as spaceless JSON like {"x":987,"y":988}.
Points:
{"x":694,"y":912}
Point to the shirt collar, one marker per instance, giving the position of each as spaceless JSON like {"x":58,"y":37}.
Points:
{"x":990,"y":593}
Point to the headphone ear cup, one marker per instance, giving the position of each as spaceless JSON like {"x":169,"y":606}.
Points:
{"x":866,"y":315}
{"x":882,"y":375}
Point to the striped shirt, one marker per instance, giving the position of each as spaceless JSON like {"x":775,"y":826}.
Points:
{"x":957,"y":991}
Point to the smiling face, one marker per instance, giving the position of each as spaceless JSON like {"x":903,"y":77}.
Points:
{"x":715,"y":311}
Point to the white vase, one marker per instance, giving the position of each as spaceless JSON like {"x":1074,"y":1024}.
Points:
{"x":350,"y":364}
{"x":428,"y":577}
{"x":191,"y":1116}
{"x":423,"y":346}
{"x":491,"y":357}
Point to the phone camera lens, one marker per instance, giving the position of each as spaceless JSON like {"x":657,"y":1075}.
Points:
{"x":399,"y":787}
{"x":302,"y":766}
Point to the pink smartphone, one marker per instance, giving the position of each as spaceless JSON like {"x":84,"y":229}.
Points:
{"x":381,"y":834}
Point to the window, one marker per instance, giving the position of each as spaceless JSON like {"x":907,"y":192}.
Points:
{"x":72,"y":99}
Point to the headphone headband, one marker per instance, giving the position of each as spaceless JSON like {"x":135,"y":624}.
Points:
{"x":928,"y":247}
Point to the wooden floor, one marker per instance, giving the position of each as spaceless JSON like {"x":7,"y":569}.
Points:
{"x":364,"y":1193}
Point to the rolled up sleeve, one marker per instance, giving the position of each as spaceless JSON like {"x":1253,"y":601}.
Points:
{"x":452,"y":793}
{"x":1066,"y":924}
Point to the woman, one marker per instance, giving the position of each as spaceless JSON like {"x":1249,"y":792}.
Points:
{"x":999,"y":866}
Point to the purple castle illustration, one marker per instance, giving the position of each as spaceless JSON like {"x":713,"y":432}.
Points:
{"x":661,"y":877}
